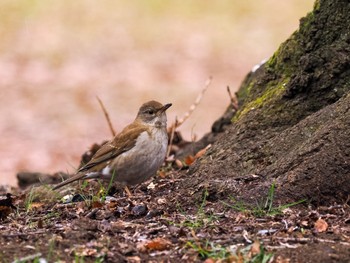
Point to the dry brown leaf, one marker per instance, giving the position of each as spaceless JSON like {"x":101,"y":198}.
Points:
{"x":201,"y":152}
{"x":162,"y":174}
{"x":158,"y":244}
{"x":189,"y":160}
{"x":85,"y":251}
{"x":112,"y":205}
{"x":40,"y":223}
{"x":179,"y":164}
{"x":133,"y":259}
{"x":161,"y":201}
{"x":304,"y":223}
{"x":255,"y":249}
{"x":36,"y":205}
{"x":5,"y":211}
{"x":321,"y":225}
{"x":96,"y":204}
{"x":280,"y":259}
{"x":80,"y":208}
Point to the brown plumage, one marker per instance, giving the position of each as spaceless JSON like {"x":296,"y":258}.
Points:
{"x":135,"y":154}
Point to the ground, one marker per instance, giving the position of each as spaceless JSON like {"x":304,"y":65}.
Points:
{"x":159,"y":223}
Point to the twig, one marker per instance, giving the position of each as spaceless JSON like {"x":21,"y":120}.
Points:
{"x":28,"y":258}
{"x":172,"y":132}
{"x":233,"y":98}
{"x":281,"y":246}
{"x":92,"y":213}
{"x":245,"y":236}
{"x":304,"y":240}
{"x":106,"y":115}
{"x":24,"y":234}
{"x":285,"y":224}
{"x":193,"y":106}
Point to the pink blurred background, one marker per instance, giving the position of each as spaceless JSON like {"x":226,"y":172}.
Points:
{"x":57,"y":56}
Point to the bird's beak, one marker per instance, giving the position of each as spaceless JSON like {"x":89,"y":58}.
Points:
{"x":165,"y":107}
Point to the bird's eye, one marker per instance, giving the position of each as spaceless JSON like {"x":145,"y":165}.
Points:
{"x":150,"y":112}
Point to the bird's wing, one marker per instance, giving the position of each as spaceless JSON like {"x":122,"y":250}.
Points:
{"x":121,"y":143}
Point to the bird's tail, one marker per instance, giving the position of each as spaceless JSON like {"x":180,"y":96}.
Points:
{"x":79,"y":176}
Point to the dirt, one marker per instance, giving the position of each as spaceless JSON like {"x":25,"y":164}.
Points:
{"x":160,"y":224}
{"x":309,"y":160}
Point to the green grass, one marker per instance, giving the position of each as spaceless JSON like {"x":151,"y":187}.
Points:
{"x":81,"y":259}
{"x":29,"y":199}
{"x":262,"y":257}
{"x":103,"y":191}
{"x":262,"y":208}
{"x":100,"y":195}
{"x":52,"y":245}
{"x":200,"y":219}
{"x":29,"y":259}
{"x":207,"y":249}
{"x":78,"y":259}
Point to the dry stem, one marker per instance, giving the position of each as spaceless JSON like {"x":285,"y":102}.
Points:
{"x":192,"y":108}
{"x":233,"y":98}
{"x":107,"y":116}
{"x":172,"y":132}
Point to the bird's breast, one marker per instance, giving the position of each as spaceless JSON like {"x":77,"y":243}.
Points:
{"x":153,"y":141}
{"x":144,"y":159}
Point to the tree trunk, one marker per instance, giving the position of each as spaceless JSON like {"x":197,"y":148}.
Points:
{"x":293,"y":124}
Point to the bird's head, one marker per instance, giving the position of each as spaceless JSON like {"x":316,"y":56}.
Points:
{"x":153,"y":113}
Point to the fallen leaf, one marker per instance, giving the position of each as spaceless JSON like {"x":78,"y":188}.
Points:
{"x":189,"y":160}
{"x":151,"y":186}
{"x":5,"y":211}
{"x":201,"y":152}
{"x":133,"y":259}
{"x":321,"y":225}
{"x":36,"y":205}
{"x":84,"y":251}
{"x":255,"y":249}
{"x":304,"y":223}
{"x":161,"y":201}
{"x":280,"y":259}
{"x":158,"y":244}
{"x":40,"y":223}
{"x":209,"y":260}
{"x":96,"y":204}
{"x":162,"y":174}
{"x":179,"y":164}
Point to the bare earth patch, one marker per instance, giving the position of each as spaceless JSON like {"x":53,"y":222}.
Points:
{"x":158,"y":223}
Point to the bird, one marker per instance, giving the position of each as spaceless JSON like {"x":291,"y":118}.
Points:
{"x":135,"y":154}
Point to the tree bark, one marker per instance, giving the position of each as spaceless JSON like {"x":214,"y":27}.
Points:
{"x":293,"y":124}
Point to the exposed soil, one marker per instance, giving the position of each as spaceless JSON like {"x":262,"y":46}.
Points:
{"x":160,"y":222}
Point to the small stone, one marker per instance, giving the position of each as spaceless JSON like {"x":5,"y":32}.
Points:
{"x":139,"y":210}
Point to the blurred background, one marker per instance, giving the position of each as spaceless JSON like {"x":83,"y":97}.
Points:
{"x":57,"y":56}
